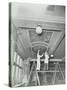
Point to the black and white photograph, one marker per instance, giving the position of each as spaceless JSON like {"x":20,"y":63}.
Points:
{"x":36,"y":44}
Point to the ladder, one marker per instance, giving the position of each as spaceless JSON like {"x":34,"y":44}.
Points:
{"x":36,"y":72}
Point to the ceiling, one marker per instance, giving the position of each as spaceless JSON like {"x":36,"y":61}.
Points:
{"x":25,"y":18}
{"x":27,"y":44}
{"x":38,"y":12}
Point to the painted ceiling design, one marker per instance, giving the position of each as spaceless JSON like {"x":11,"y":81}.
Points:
{"x":44,"y":37}
{"x":28,"y":42}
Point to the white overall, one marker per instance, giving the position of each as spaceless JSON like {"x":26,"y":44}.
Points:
{"x":46,"y":58}
{"x":38,"y":61}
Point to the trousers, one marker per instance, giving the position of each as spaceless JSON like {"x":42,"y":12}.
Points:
{"x":38,"y":64}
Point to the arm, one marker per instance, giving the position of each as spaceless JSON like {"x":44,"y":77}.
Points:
{"x":41,"y":55}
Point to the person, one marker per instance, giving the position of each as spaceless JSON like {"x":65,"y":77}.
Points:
{"x":46,"y":60}
{"x":38,"y":60}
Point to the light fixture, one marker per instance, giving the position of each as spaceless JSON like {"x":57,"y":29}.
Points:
{"x":52,"y":55}
{"x":39,"y":29}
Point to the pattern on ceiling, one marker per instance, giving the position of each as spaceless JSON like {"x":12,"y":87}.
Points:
{"x":28,"y":42}
{"x":23,"y":45}
{"x":49,"y":25}
{"x":44,"y":37}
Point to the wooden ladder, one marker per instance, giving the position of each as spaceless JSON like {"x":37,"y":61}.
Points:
{"x":37,"y":76}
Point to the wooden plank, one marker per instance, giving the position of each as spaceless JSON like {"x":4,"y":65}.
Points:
{"x":37,"y":78}
{"x":51,"y":60}
{"x":49,"y":71}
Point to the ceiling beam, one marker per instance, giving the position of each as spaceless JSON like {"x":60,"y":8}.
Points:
{"x":46,"y":18}
{"x":19,"y":50}
{"x":22,"y":44}
{"x":20,"y":23}
{"x":59,"y":41}
{"x":55,"y":40}
{"x":25,"y":41}
{"x":34,"y":28}
{"x":61,"y":38}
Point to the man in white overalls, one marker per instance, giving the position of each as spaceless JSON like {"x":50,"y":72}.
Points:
{"x":38,"y":60}
{"x":46,"y":60}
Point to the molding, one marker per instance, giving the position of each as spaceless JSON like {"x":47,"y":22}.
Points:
{"x":47,"y":18}
{"x":20,"y":23}
{"x":39,"y":43}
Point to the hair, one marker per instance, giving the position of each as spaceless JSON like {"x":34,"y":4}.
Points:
{"x":39,"y":25}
